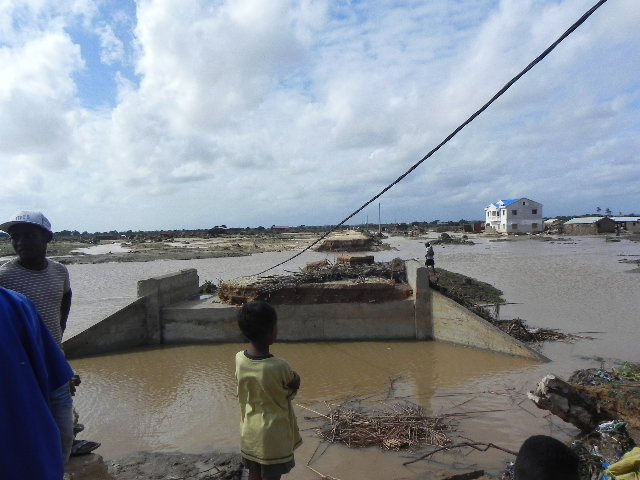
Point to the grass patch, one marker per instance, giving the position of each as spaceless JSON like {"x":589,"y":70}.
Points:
{"x":54,"y":249}
{"x":630,"y":371}
{"x":466,"y":290}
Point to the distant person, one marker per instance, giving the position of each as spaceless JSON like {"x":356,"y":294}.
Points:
{"x":33,"y":368}
{"x":543,"y":457}
{"x":429,"y":257}
{"x":46,"y":284}
{"x":266,"y":385}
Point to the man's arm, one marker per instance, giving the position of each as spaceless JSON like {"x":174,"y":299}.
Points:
{"x":65,"y":307}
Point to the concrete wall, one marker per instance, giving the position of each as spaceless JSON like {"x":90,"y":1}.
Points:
{"x":127,"y":328}
{"x":418,"y":279}
{"x":139,"y":323}
{"x":205,"y":322}
{"x":455,"y":324}
{"x":167,"y":312}
{"x":603,"y":226}
{"x":201,"y":321}
{"x":166,"y":290}
{"x":526,"y":220}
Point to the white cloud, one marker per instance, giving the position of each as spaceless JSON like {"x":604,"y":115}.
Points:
{"x":112,"y":47}
{"x":36,"y":95}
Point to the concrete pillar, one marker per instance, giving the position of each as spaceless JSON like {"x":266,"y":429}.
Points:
{"x":163,"y":291}
{"x":418,"y":278}
{"x":150,"y":290}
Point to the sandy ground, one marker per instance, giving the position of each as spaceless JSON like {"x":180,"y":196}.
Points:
{"x":187,"y":248}
{"x":179,"y":249}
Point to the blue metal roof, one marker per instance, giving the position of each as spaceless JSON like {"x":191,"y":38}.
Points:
{"x":504,"y":203}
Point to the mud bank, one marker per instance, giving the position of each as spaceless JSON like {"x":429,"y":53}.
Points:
{"x":155,"y":466}
{"x":210,"y":465}
{"x":152,"y":255}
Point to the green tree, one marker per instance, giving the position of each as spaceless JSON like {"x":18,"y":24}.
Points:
{"x":607,"y":212}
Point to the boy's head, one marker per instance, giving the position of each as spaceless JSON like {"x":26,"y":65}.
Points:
{"x":543,"y":457}
{"x":257,"y":321}
{"x":30,"y":233}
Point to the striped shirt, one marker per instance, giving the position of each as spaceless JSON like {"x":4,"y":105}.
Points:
{"x":45,"y":288}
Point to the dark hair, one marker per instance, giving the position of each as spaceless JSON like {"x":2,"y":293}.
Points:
{"x":256,"y":320}
{"x":543,"y":457}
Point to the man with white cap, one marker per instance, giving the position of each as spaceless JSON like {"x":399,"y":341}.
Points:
{"x":46,"y":283}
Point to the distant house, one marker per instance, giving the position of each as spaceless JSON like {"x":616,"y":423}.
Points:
{"x":516,"y":215}
{"x":553,"y":225}
{"x":589,"y":226}
{"x":628,"y":224}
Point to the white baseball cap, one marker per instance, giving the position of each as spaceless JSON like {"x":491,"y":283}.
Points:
{"x":25,"y":216}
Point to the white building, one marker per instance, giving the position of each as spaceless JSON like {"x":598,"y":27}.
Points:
{"x":516,"y":215}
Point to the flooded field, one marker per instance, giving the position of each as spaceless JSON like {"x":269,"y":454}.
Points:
{"x":182,"y":398}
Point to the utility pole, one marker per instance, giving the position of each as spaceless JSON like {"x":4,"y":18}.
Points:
{"x":379,"y":222}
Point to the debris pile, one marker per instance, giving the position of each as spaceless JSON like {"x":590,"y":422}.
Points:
{"x":446,"y":239}
{"x":350,"y":241}
{"x":396,"y":428}
{"x":519,"y":330}
{"x":467,"y":291}
{"x":348,"y":280}
{"x":602,"y":404}
{"x":616,"y":390}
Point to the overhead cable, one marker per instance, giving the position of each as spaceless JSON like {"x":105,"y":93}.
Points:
{"x":539,"y":58}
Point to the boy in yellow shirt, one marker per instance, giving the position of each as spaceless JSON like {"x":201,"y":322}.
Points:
{"x":266,"y":385}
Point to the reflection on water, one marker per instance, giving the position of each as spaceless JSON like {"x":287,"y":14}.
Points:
{"x":183,"y":398}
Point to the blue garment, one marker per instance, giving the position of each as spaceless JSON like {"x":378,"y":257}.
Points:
{"x":32,"y":368}
{"x":61,"y":404}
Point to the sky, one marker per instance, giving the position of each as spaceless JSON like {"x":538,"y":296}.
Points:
{"x":186,"y":114}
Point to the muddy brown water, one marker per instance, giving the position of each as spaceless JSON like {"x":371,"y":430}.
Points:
{"x":182,"y":397}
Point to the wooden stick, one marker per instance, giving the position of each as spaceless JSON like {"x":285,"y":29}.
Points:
{"x":474,"y":445}
{"x":313,"y":411}
{"x":322,"y":476}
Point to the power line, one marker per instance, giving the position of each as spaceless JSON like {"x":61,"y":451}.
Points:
{"x":537,"y":60}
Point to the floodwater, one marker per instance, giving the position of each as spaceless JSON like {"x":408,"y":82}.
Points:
{"x":182,"y":397}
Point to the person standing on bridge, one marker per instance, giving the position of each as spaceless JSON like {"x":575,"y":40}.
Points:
{"x":429,"y":257}
{"x":46,"y":283}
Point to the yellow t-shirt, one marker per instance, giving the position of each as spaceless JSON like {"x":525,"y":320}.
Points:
{"x":268,"y":427}
{"x":628,"y":467}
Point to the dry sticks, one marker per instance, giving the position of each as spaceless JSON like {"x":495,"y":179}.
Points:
{"x":393,"y":429}
{"x":518,"y":329}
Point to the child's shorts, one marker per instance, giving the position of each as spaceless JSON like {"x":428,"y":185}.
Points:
{"x":267,"y":471}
